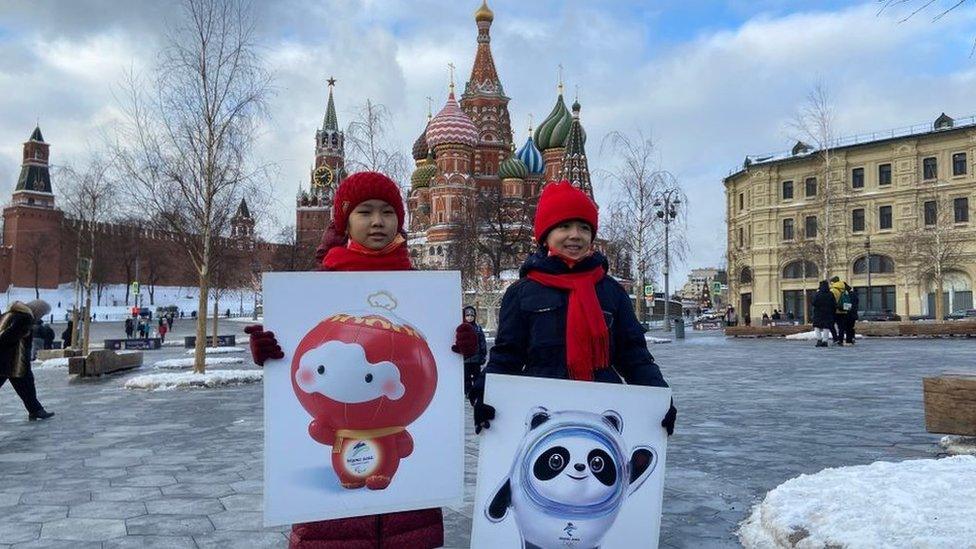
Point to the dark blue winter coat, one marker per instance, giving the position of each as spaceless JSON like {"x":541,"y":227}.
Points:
{"x":824,"y":305}
{"x":531,"y":336}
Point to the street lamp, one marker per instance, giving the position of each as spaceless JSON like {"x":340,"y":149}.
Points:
{"x":668,"y":203}
{"x":867,"y":247}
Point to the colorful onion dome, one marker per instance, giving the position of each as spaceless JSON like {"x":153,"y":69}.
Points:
{"x":420,"y":145}
{"x":423,"y":174}
{"x":512,"y":168}
{"x":452,"y":126}
{"x":552,"y":132}
{"x":530,"y":156}
{"x":484,"y":13}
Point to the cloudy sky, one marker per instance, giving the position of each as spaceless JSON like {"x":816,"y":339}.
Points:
{"x":710,"y":80}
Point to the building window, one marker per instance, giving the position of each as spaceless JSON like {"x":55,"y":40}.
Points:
{"x":745,"y":277}
{"x":930,"y":212}
{"x":959,"y":164}
{"x":787,"y":190}
{"x":880,"y":264}
{"x":882,"y":298}
{"x":857,"y":220}
{"x":857,"y":178}
{"x":929,"y":168}
{"x":960,"y":207}
{"x":884,"y":174}
{"x":742,"y":201}
{"x":741,"y":237}
{"x":811,"y":186}
{"x":810,"y":226}
{"x":787,"y":229}
{"x":884,"y":217}
{"x":800,"y":269}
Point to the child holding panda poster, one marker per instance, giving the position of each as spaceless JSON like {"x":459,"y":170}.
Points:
{"x":565,"y":318}
{"x":366,"y":235}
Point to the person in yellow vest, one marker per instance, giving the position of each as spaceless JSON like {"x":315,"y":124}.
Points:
{"x":839,"y":289}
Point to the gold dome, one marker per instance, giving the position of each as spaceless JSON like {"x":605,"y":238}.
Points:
{"x":484,"y":13}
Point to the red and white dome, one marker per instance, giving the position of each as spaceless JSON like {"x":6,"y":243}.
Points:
{"x":451,"y":126}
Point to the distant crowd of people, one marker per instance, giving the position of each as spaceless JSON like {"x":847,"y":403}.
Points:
{"x":141,"y":327}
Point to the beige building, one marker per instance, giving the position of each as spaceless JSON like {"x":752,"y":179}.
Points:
{"x":904,"y":198}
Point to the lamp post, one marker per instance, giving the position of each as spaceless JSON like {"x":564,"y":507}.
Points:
{"x":668,"y":203}
{"x":867,"y":247}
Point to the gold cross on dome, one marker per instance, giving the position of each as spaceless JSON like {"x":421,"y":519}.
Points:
{"x":560,"y":78}
{"x":451,"y":67}
{"x":430,"y":107}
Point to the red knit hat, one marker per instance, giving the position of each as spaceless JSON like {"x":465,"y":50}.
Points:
{"x":360,"y":187}
{"x":561,"y":202}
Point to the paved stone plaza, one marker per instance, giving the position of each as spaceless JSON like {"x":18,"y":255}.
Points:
{"x":121,"y":468}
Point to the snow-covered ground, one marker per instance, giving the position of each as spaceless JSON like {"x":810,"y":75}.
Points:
{"x":812,"y":336}
{"x":916,"y":503}
{"x":183,"y":380}
{"x":959,"y":446}
{"x":113,"y":307}
{"x":183,"y":363}
{"x":656,"y":340}
{"x":219,"y":350}
{"x":51,"y":363}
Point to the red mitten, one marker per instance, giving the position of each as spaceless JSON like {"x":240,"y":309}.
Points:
{"x":264,"y":346}
{"x":321,"y":433}
{"x":465,"y":340}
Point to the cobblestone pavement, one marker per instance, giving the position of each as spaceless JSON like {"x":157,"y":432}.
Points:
{"x":119,"y":468}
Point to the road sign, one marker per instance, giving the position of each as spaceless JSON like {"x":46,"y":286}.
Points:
{"x":716,"y":287}
{"x":648,"y":289}
{"x":135,"y":288}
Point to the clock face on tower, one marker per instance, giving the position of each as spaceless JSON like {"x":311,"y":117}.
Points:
{"x":322,"y":177}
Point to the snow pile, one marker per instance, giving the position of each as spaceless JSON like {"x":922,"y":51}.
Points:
{"x":216,"y":378}
{"x":917,"y":503}
{"x":958,"y":446}
{"x":812,"y":336}
{"x":219,"y":350}
{"x":52,"y":363}
{"x":181,"y":363}
{"x":656,"y":340}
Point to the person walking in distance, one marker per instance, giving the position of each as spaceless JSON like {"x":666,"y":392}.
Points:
{"x":473,"y":363}
{"x":852,"y":316}
{"x":16,"y":342}
{"x":823,"y":313}
{"x":843,"y":300}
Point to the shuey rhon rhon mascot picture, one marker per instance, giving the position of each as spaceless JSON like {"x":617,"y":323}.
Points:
{"x":570,"y":477}
{"x":364,"y":377}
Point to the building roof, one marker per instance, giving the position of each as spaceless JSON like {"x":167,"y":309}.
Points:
{"x":531,"y":157}
{"x":575,"y":168}
{"x":512,"y":168}
{"x":554,"y":129}
{"x":330,"y":122}
{"x":451,"y":125}
{"x":242,"y":210}
{"x":420,"y":146}
{"x":484,"y":13}
{"x":484,"y":77}
{"x":36,"y":135}
{"x":34,"y":178}
{"x":423,"y":174}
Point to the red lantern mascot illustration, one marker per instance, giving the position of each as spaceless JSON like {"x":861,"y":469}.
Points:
{"x":364,"y":377}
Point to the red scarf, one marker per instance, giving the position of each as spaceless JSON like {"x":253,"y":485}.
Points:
{"x":356,"y":257}
{"x":587,"y":337}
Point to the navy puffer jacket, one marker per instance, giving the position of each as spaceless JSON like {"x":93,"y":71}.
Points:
{"x":531,"y":336}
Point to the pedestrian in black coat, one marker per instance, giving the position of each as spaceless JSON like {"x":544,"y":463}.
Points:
{"x":536,"y":336}
{"x":473,"y":363}
{"x":851,"y":314}
{"x":824,"y":305}
{"x":16,"y":342}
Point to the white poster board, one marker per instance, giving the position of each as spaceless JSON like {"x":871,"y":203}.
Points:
{"x":570,"y":464}
{"x":364,"y":414}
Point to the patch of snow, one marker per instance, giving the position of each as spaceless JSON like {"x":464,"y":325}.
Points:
{"x":656,"y":340}
{"x":52,"y":363}
{"x":244,"y":319}
{"x":184,"y":380}
{"x":219,"y":350}
{"x":915,"y":503}
{"x":812,"y":336}
{"x":956,"y":445}
{"x":183,"y":363}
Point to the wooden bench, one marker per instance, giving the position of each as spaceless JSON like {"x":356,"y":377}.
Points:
{"x":950,"y":403}
{"x":104,"y":362}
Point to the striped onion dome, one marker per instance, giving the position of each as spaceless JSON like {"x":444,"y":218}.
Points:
{"x":512,"y":168}
{"x":554,"y":129}
{"x":423,"y":174}
{"x":531,"y":157}
{"x":451,"y":125}
{"x":420,"y":146}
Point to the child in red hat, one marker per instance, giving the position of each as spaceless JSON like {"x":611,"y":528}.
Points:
{"x":366,"y":234}
{"x":565,"y":317}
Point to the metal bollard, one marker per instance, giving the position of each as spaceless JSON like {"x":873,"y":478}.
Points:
{"x":679,"y":328}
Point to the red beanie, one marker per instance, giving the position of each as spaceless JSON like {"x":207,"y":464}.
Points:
{"x":562,"y":202}
{"x":360,"y":187}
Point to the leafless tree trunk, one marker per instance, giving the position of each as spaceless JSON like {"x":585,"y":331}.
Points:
{"x":186,"y":148}
{"x":370,"y":145}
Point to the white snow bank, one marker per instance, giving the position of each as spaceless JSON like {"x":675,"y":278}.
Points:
{"x":215,"y":378}
{"x":52,"y":363}
{"x":179,"y":363}
{"x":219,"y":350}
{"x":812,"y":335}
{"x":917,"y":503}
{"x":656,"y":340}
{"x":958,"y":446}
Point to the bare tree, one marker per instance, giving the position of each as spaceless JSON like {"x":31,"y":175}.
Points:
{"x":89,"y":196}
{"x":288,"y":254}
{"x":186,"y":148}
{"x":941,"y":8}
{"x":35,"y":250}
{"x":370,"y":145}
{"x":504,"y":228}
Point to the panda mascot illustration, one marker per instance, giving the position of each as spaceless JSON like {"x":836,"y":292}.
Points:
{"x":570,"y":478}
{"x":364,"y":377}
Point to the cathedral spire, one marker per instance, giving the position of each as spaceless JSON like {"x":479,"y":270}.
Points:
{"x":484,"y":77}
{"x":575,"y":168}
{"x":330,"y":123}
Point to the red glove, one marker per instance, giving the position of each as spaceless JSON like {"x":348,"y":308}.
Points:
{"x":465,"y":340}
{"x":264,"y":346}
